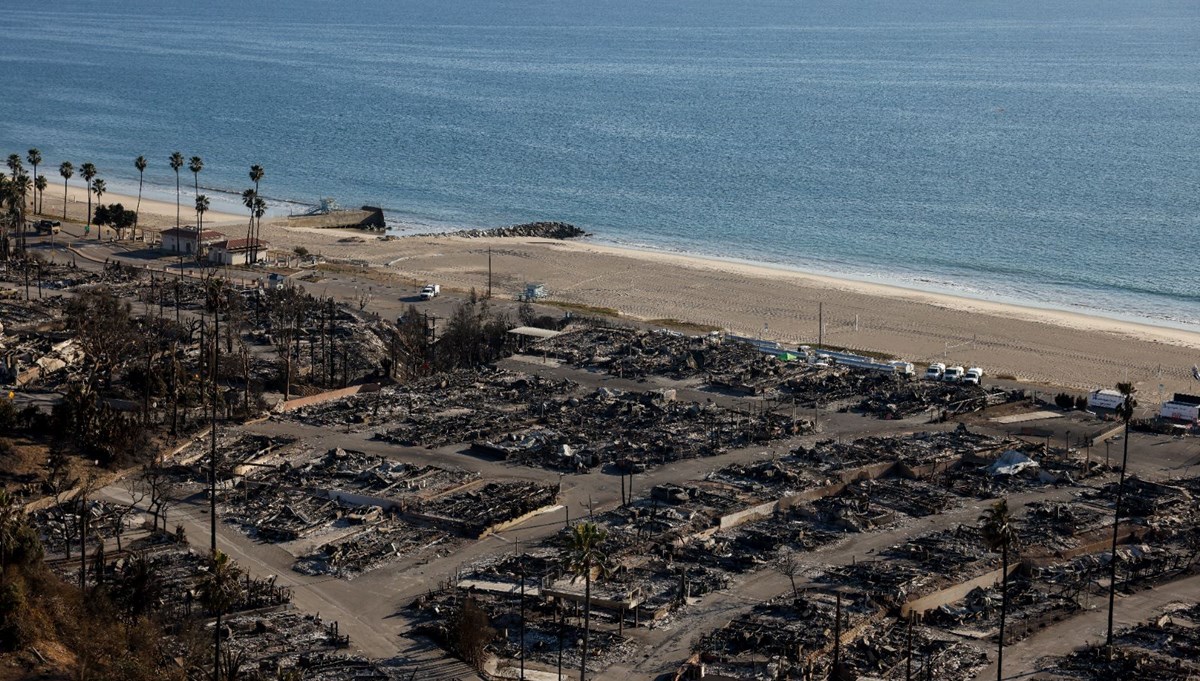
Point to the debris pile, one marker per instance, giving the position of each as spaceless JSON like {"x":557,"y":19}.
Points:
{"x":650,"y":428}
{"x":1164,"y":648}
{"x":484,"y":507}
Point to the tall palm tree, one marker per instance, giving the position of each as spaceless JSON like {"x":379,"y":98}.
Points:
{"x":22,"y":187}
{"x":1125,"y":412}
{"x":88,"y":171}
{"x":140,"y":164}
{"x":14,"y":166}
{"x":196,"y":164}
{"x":998,"y":532}
{"x":249,"y":197}
{"x":8,"y":202}
{"x":220,"y":590}
{"x":66,"y":170}
{"x":201,"y":209}
{"x":40,"y":183}
{"x":176,"y":164}
{"x":34,"y":156}
{"x":98,"y":188}
{"x":256,"y":176}
{"x":584,"y":556}
{"x":260,"y":209}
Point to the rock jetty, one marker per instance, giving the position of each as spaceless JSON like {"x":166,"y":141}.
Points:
{"x":542,"y":230}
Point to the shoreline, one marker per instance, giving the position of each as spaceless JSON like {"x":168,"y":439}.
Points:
{"x":1048,"y":346}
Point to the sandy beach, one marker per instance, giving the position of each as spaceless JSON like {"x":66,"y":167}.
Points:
{"x":1039,"y":345}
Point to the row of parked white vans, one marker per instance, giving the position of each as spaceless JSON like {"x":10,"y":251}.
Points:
{"x":940,"y":372}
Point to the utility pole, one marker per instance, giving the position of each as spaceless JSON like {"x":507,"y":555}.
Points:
{"x":835,"y":675}
{"x":522,"y":574}
{"x":489,"y":295}
{"x":820,"y":325}
{"x":908,"y":657}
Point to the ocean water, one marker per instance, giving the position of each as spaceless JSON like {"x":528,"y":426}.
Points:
{"x":1045,"y":153}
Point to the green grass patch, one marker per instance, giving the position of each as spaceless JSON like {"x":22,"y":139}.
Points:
{"x":581,"y":308}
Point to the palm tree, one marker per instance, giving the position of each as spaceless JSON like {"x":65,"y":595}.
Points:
{"x":201,"y":208}
{"x":66,"y":170}
{"x":176,"y":164}
{"x":21,"y":187}
{"x":260,"y":209}
{"x":999,"y":535}
{"x":1125,"y":412}
{"x":584,"y":555}
{"x":249,"y":197}
{"x":40,"y":183}
{"x":34,"y":156}
{"x":14,"y":166}
{"x":140,"y":164}
{"x":196,"y":164}
{"x":256,"y":176}
{"x":88,"y":171}
{"x":220,"y":590}
{"x":98,"y":188}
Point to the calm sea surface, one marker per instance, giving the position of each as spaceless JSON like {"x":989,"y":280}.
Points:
{"x":1047,"y":153}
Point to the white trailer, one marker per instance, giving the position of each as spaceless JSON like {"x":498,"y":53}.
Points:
{"x":1105,"y":399}
{"x":1179,"y":411}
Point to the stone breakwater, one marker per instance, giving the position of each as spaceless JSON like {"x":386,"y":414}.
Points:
{"x":543,"y":230}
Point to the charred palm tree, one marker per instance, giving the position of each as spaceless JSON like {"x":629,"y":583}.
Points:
{"x":584,"y":557}
{"x":996,"y":526}
{"x":220,"y":591}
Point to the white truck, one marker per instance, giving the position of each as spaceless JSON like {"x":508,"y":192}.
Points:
{"x":973,"y":376}
{"x":952,"y":374}
{"x":935,"y":371}
{"x":1105,"y":399}
{"x":430,"y":291}
{"x":1179,"y":411}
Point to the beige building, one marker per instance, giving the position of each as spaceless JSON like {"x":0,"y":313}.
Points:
{"x":238,"y":251}
{"x":184,"y":240}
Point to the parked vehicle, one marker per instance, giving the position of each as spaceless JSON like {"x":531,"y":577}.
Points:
{"x":431,"y":291}
{"x":1179,"y":411}
{"x":48,"y":226}
{"x":1105,"y":399}
{"x":935,"y":371}
{"x":973,"y":376}
{"x":952,"y":374}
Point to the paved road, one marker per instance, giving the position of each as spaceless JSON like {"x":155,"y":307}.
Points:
{"x":369,"y":608}
{"x":1032,"y":655}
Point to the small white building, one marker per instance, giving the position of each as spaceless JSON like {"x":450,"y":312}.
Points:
{"x":184,"y":240}
{"x":238,"y":251}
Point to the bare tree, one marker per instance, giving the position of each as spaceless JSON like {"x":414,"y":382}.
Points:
{"x":137,"y":494}
{"x":787,"y":563}
{"x":159,"y":493}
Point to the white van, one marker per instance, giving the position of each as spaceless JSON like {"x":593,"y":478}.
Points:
{"x":935,"y":371}
{"x":973,"y":376}
{"x":952,"y":374}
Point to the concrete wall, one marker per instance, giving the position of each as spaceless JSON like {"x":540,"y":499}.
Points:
{"x":748,"y":514}
{"x":954,"y":593}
